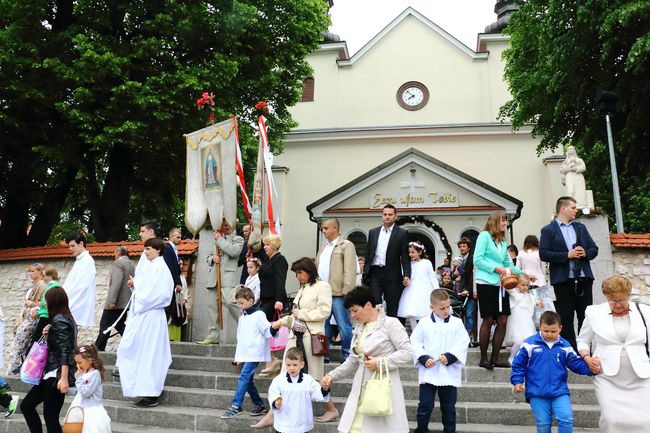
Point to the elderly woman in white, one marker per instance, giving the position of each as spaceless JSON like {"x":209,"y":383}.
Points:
{"x":618,"y":333}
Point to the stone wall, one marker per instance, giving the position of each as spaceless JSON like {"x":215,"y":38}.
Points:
{"x":635,"y":264}
{"x":14,"y":283}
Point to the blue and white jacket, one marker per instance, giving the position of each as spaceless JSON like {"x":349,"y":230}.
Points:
{"x":544,"y":369}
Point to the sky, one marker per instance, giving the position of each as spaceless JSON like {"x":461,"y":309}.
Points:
{"x":357,"y":21}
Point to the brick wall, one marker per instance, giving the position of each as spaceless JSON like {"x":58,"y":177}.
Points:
{"x":635,"y":264}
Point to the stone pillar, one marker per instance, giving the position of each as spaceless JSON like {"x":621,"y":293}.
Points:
{"x":603,"y":265}
{"x":200,"y":322}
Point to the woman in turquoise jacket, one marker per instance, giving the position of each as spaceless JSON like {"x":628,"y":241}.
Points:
{"x":491,"y":262}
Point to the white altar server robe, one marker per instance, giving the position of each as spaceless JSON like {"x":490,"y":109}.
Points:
{"x":435,"y":339}
{"x":81,"y":291}
{"x":144,"y":353}
{"x":296,"y":414}
{"x":253,"y":338}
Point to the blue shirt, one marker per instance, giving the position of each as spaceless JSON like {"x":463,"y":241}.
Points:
{"x":570,"y":239}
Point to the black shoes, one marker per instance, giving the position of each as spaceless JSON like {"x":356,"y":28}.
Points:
{"x":146,"y":402}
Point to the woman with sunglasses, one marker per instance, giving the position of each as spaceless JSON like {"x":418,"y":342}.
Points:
{"x":26,"y":322}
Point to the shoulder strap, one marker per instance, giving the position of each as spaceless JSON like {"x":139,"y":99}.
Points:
{"x":646,"y":329}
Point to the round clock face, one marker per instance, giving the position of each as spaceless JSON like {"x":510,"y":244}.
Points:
{"x":412,"y":95}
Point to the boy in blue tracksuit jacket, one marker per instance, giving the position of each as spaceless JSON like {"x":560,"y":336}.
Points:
{"x":541,"y":362}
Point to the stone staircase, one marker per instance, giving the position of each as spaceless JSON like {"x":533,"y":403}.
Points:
{"x":201,"y":382}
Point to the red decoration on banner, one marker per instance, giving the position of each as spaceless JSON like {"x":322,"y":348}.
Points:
{"x":240,"y":175}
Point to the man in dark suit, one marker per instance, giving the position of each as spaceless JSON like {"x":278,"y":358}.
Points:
{"x":387,"y":268}
{"x":567,"y":246}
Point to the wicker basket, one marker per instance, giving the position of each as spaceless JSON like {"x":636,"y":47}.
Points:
{"x":76,"y":426}
{"x":509,"y":281}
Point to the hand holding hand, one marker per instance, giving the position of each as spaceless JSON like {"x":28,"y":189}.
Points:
{"x":406,"y":281}
{"x":276,"y":325}
{"x":429,"y":363}
{"x":443,"y":359}
{"x":62,"y":385}
{"x":326,"y":381}
{"x":519,"y":387}
{"x":593,"y":362}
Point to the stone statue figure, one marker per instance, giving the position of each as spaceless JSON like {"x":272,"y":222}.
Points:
{"x":572,"y":170}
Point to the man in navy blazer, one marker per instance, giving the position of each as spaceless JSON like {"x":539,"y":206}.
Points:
{"x":387,"y":269}
{"x":567,"y":246}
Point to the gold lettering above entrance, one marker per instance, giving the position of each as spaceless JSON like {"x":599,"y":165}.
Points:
{"x":405,"y":200}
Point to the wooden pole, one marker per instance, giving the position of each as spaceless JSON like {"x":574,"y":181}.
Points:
{"x":219,"y":300}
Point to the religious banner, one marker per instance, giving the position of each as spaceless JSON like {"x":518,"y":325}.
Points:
{"x":211,"y":184}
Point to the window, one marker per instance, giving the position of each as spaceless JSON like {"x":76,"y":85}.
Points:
{"x":360,"y":242}
{"x":308,"y":90}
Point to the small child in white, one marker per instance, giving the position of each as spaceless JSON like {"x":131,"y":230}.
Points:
{"x":253,"y":266}
{"x":90,"y":391}
{"x":253,"y":347}
{"x":291,"y":395}
{"x":520,"y":323}
{"x":440,"y":349}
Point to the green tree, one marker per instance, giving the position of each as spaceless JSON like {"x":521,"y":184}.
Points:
{"x":562,"y":52}
{"x":96,"y":97}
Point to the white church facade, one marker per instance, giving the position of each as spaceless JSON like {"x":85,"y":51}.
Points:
{"x":411,"y":119}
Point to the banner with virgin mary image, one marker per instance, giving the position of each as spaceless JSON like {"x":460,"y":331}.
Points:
{"x":211,"y":186}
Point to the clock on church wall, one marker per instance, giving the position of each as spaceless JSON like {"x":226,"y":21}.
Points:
{"x":412,"y":95}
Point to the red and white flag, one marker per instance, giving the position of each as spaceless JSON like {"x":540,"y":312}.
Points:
{"x":240,"y":175}
{"x":274,"y":221}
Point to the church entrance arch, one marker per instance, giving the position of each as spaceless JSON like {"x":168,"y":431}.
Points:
{"x":428,"y":234}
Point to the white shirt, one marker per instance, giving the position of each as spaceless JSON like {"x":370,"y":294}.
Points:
{"x":529,"y":262}
{"x":382,"y":246}
{"x":435,"y":339}
{"x":81,"y":291}
{"x":253,"y":283}
{"x":253,"y":338}
{"x":325,"y":259}
{"x":296,"y":414}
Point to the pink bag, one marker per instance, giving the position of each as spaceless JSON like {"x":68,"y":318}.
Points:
{"x":280,"y":342}
{"x":32,"y":369}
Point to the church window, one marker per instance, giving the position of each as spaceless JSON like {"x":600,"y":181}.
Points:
{"x":360,"y":242}
{"x":308,"y":90}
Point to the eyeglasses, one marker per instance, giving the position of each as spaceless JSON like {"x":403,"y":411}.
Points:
{"x":618,"y":302}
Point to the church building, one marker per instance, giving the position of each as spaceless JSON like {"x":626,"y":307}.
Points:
{"x":411,"y":119}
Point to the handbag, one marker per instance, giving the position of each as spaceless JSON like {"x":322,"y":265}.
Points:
{"x":33,"y":368}
{"x":377,"y":399}
{"x":73,"y":426}
{"x":319,"y":343}
{"x":280,"y":341}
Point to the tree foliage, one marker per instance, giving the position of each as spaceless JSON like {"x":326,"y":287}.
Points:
{"x":96,"y":95}
{"x":562,"y":52}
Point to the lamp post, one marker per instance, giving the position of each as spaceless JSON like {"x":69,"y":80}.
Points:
{"x":607,"y":102}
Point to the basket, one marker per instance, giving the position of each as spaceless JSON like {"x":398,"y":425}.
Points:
{"x":73,"y":426}
{"x":509,"y":281}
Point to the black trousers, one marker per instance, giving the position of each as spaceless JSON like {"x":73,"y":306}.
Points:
{"x":572,"y":297}
{"x":46,"y":393}
{"x":447,"y":396}
{"x":108,"y":318}
{"x":386,"y":284}
{"x":5,"y":399}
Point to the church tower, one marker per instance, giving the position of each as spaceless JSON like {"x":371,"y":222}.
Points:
{"x":504,"y":9}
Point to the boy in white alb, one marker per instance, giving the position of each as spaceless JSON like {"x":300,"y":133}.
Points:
{"x":253,"y":347}
{"x":291,"y":395}
{"x":440,"y":349}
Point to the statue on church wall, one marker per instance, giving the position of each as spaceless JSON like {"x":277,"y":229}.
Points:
{"x":572,"y":170}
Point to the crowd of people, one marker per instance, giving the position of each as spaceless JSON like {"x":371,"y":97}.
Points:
{"x":490,"y":293}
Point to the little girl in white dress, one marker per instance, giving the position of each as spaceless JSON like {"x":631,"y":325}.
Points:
{"x":414,"y":303}
{"x":89,"y":391}
{"x":253,"y":280}
{"x":520,"y":322}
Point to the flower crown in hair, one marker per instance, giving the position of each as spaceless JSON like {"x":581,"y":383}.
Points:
{"x":418,"y":245}
{"x":255,"y":260}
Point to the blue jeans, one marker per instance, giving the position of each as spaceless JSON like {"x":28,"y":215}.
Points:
{"x":342,"y":318}
{"x":545,"y":408}
{"x":447,"y":396}
{"x":245,"y":384}
{"x":470,"y":309}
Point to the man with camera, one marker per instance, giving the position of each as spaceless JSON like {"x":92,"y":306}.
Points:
{"x":567,"y":246}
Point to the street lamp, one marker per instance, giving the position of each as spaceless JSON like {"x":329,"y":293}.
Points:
{"x":607,"y":103}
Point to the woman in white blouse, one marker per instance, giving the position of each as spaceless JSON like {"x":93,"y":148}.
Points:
{"x":619,"y":330}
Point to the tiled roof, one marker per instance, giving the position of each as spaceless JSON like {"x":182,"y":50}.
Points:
{"x":96,"y":249}
{"x":625,"y":240}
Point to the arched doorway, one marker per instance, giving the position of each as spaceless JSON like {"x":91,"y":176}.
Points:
{"x":425,"y":240}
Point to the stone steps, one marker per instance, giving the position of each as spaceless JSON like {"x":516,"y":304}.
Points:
{"x":201,"y":384}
